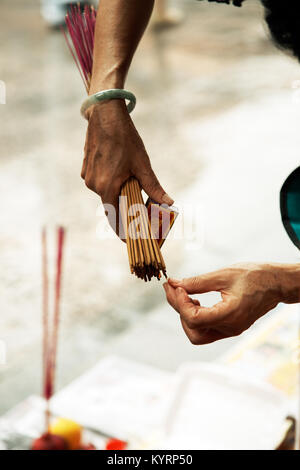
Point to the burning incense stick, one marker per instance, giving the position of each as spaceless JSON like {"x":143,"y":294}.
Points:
{"x":81,"y":27}
{"x":59,"y":256}
{"x":50,"y":334}
{"x":145,"y":258}
{"x":45,"y":319}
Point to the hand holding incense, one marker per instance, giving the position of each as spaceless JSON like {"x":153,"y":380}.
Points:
{"x":111,"y":132}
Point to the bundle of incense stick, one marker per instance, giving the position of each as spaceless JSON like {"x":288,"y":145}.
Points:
{"x":145,"y":258}
{"x":50,"y":323}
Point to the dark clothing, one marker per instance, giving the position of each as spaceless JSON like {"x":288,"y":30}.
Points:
{"x":236,"y":3}
{"x":290,"y":206}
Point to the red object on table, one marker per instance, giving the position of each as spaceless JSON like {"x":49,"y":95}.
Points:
{"x":115,"y":444}
{"x":49,"y":442}
{"x":88,"y":446}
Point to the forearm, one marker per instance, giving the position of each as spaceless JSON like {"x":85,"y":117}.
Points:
{"x":119,"y":27}
{"x":288,"y":276}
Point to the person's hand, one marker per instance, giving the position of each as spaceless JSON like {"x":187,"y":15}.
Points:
{"x":113,"y":152}
{"x":248,"y":292}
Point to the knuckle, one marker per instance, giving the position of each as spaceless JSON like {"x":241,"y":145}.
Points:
{"x":194,"y":339}
{"x":156,"y":185}
{"x":98,"y":185}
{"x":150,"y":185}
{"x":100,"y":189}
{"x":191,"y":322}
{"x":193,"y":281}
{"x":83,"y":171}
{"x":116,"y":185}
{"x":191,"y":318}
{"x":184,"y":281}
{"x":235,"y":330}
{"x":150,"y":180}
{"x":89,"y":182}
{"x":238,"y":331}
{"x":101,"y":185}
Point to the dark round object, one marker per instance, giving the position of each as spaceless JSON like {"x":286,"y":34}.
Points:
{"x":49,"y":442}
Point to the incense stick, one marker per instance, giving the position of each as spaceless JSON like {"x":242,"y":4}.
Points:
{"x":50,"y":335}
{"x":45,"y":321}
{"x":145,"y":258}
{"x":60,"y":244}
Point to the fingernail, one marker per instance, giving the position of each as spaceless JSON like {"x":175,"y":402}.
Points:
{"x":165,"y":285}
{"x":167,"y":200}
{"x":174,"y":281}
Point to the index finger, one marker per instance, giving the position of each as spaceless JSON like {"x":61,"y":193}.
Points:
{"x":214,"y":281}
{"x":172,"y":298}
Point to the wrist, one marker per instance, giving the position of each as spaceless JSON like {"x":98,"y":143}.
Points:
{"x":287,"y":280}
{"x":106,"y":81}
{"x":108,"y":115}
{"x":108,"y":111}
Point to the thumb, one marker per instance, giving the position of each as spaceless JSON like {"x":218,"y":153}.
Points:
{"x":152,"y":187}
{"x":214,"y":281}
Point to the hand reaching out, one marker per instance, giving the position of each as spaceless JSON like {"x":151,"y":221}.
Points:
{"x":248,"y":292}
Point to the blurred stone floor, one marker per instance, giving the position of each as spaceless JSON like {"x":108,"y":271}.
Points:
{"x":219,"y":115}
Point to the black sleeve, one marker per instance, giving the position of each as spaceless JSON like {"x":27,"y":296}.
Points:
{"x":236,"y":3}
